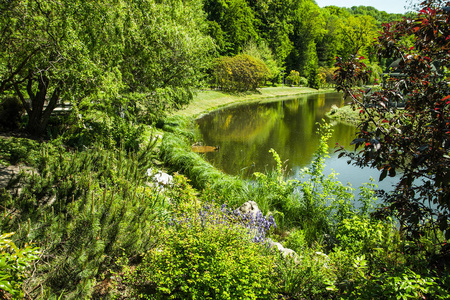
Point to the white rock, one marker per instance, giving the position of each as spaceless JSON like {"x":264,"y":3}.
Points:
{"x":160,"y":177}
{"x":249,"y":207}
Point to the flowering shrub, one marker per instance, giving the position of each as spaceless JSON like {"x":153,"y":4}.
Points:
{"x":209,"y":255}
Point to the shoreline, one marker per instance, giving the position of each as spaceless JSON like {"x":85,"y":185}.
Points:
{"x":207,"y":101}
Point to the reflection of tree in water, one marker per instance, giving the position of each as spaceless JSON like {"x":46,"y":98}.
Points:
{"x":243,"y":123}
{"x":246,"y":133}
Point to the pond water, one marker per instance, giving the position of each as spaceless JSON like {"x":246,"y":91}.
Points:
{"x":245,"y":134}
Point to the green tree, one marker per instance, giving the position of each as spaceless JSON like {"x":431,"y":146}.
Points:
{"x":357,"y":34}
{"x":49,"y":53}
{"x":57,"y":51}
{"x":274,"y":25}
{"x":233,"y":23}
{"x":308,"y":26}
{"x":329,"y":45}
{"x":262,"y":52}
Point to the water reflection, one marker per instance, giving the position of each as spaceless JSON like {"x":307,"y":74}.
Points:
{"x":245,"y":134}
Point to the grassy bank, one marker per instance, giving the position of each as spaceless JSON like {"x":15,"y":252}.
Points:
{"x":210,"y":100}
{"x":345,"y":115}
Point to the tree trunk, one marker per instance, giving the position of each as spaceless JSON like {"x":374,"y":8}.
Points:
{"x":38,"y":117}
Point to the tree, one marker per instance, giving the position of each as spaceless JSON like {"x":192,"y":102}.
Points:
{"x":308,"y":26}
{"x":262,"y":52}
{"x":49,"y":53}
{"x":236,"y":21}
{"x":274,"y":25}
{"x":57,"y":51}
{"x":414,"y":141}
{"x":357,"y":33}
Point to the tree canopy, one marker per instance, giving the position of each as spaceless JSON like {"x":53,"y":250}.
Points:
{"x":414,"y":141}
{"x":55,"y":51}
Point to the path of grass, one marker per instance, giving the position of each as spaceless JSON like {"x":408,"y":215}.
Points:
{"x":209,"y":100}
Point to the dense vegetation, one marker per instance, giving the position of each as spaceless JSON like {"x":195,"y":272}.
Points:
{"x":83,"y":215}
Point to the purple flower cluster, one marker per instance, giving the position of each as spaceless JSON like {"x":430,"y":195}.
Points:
{"x":257,"y":225}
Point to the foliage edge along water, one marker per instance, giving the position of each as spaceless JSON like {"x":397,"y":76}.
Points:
{"x":244,"y":134}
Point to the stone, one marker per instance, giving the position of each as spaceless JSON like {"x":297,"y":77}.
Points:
{"x":249,"y":207}
{"x":286,"y":252}
{"x":160,"y":178}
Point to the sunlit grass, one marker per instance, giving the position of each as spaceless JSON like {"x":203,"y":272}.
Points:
{"x":208,"y":100}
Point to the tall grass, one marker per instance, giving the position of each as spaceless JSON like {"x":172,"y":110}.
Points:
{"x":175,"y":153}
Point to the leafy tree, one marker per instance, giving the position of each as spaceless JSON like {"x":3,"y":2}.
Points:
{"x":313,"y":77}
{"x":166,"y":54}
{"x":274,"y":25}
{"x":58,"y":51}
{"x":262,"y":52}
{"x":414,"y":141}
{"x":331,"y":42}
{"x":308,"y":26}
{"x":233,"y":21}
{"x":357,"y":33}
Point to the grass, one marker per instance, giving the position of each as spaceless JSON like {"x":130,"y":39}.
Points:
{"x":345,"y":115}
{"x":206,"y":101}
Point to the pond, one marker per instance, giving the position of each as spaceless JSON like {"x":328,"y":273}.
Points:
{"x":245,"y":133}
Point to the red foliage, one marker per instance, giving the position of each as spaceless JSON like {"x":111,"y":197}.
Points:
{"x":415,"y":140}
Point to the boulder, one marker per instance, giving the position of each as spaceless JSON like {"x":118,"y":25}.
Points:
{"x":286,"y":252}
{"x":249,"y":207}
{"x":160,"y":178}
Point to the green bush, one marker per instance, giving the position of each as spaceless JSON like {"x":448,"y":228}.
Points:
{"x":240,"y":73}
{"x":84,"y":209}
{"x":306,"y":278}
{"x":205,"y":259}
{"x":18,"y":150}
{"x":15,"y":266}
{"x":11,"y":109}
{"x":111,"y":131}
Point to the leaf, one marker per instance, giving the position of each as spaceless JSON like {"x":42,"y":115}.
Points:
{"x":392,"y":172}
{"x":383,"y":174}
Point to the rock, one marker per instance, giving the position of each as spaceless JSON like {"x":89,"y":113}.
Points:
{"x":286,"y":252}
{"x":249,"y":207}
{"x":160,"y":178}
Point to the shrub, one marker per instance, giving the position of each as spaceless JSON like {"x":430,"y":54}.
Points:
{"x":15,"y":265}
{"x":11,"y":109}
{"x":240,"y":73}
{"x":83,"y":209}
{"x":294,"y":77}
{"x":205,"y":257}
{"x":307,"y":278}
